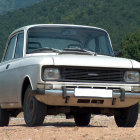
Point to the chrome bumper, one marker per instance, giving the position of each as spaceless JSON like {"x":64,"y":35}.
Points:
{"x":68,"y":92}
{"x":66,"y":97}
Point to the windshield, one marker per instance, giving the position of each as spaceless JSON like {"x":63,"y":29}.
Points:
{"x":68,"y":38}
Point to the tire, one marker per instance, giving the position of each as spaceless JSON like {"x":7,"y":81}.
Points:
{"x":4,"y":117}
{"x":82,"y":119}
{"x":127,"y":117}
{"x":34,"y":111}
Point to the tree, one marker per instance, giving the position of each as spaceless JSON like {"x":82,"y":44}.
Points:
{"x":131,"y":46}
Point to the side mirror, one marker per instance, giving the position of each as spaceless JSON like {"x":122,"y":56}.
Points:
{"x":118,"y":53}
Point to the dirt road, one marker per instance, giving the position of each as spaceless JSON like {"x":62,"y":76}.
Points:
{"x":58,"y":128}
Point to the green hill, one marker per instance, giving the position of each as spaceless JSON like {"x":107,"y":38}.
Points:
{"x":10,"y":5}
{"x":118,"y":17}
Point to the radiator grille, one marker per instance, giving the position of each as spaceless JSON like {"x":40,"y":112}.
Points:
{"x":91,"y":75}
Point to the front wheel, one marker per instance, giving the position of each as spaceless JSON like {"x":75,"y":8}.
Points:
{"x":127,"y":117}
{"x":34,"y":111}
{"x":82,"y":119}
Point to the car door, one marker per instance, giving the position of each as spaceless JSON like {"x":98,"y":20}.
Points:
{"x":8,"y":70}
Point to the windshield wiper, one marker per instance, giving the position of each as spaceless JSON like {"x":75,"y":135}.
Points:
{"x":45,"y":49}
{"x":78,"y":50}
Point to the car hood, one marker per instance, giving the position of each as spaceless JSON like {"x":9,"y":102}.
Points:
{"x":93,"y":61}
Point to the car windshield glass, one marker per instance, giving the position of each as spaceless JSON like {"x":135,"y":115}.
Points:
{"x":68,"y":38}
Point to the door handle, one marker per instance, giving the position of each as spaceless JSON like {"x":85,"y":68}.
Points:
{"x":7,"y":66}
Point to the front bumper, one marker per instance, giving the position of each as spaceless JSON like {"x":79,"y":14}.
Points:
{"x":64,"y":95}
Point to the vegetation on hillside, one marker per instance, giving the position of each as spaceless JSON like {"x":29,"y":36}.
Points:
{"x":131,"y":46}
{"x":118,"y":17}
{"x":10,"y":5}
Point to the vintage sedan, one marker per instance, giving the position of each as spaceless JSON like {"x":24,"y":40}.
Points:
{"x":49,"y":69}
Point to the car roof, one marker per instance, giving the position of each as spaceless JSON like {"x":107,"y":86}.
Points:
{"x":55,"y":25}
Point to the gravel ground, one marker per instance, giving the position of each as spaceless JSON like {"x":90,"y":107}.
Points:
{"x":59,"y":128}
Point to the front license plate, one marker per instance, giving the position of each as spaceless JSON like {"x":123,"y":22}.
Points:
{"x":97,"y":93}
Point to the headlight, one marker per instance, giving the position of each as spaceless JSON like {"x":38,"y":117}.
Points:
{"x":131,"y":76}
{"x":51,"y":74}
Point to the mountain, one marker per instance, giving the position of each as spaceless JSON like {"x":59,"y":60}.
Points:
{"x":11,"y":5}
{"x":118,"y":17}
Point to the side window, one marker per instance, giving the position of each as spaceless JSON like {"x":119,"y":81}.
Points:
{"x":10,"y":49}
{"x":19,"y":47}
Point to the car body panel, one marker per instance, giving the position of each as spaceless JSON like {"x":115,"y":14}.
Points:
{"x":91,"y":61}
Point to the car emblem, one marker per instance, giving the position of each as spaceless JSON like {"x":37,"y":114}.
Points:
{"x":93,"y":74}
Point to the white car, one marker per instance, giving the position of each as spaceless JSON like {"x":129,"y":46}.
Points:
{"x":49,"y":69}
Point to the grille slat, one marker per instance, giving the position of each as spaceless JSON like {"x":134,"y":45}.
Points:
{"x":91,"y":74}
